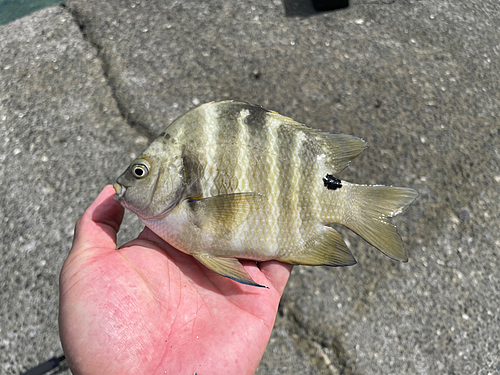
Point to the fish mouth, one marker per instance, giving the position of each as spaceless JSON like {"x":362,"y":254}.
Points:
{"x":120,"y":191}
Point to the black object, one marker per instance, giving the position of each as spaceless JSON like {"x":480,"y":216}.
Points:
{"x":307,"y":8}
{"x":46,"y":366}
{"x":328,"y":5}
{"x":332,"y":183}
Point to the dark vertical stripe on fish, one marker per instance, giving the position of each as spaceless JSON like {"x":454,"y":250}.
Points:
{"x":257,"y":169}
{"x":286,"y":140}
{"x":307,"y":198}
{"x":257,"y":120}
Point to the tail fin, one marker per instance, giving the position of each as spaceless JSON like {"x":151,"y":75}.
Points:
{"x":374,"y":204}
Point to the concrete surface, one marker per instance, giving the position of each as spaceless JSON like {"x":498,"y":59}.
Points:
{"x":82,"y":88}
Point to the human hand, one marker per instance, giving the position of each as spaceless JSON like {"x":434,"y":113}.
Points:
{"x":147,"y":308}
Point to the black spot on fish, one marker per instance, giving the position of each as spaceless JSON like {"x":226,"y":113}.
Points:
{"x":257,"y":118}
{"x":332,"y":183}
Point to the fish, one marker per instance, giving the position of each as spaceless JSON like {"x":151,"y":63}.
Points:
{"x":230,"y":180}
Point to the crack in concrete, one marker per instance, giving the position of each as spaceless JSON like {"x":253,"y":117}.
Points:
{"x":322,"y":344}
{"x":121,"y":104}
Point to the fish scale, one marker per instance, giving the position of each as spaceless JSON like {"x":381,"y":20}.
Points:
{"x":229,"y":180}
{"x":241,"y":169}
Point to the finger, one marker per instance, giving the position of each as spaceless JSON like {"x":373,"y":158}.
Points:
{"x":276,"y":272}
{"x":98,"y":226}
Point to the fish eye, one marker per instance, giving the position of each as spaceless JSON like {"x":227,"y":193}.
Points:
{"x":140,"y":169}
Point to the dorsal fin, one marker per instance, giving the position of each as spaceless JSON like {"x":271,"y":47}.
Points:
{"x":338,"y":149}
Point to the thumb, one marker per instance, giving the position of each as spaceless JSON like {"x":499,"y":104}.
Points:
{"x":97,"y":228}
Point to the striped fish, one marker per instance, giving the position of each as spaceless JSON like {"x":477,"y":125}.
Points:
{"x":231,"y":180}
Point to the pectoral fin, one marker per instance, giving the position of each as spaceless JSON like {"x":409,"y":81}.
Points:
{"x":327,"y":249}
{"x":227,"y":267}
{"x":223,"y":212}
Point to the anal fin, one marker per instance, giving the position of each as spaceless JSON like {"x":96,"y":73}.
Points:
{"x":227,"y":267}
{"x":327,"y":249}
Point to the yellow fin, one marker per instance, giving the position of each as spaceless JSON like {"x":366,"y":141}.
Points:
{"x":369,"y":220}
{"x":338,"y":149}
{"x":327,"y":249}
{"x":223,"y":212}
{"x":227,"y":267}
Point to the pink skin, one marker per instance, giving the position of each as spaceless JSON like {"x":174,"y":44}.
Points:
{"x":150,"y":309}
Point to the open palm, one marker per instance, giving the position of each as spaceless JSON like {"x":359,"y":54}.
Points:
{"x":147,"y":308}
